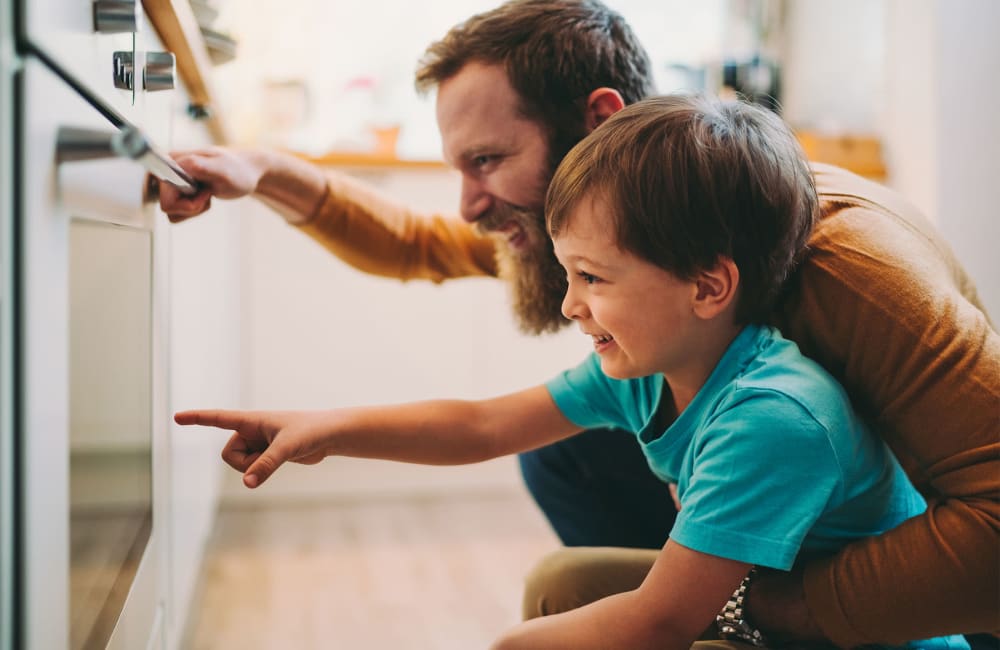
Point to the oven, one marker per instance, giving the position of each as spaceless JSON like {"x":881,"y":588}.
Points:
{"x":87,"y":395}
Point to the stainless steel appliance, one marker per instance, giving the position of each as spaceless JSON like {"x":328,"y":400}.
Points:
{"x":86,"y":407}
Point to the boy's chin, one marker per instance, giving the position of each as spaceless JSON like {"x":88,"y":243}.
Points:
{"x":616,"y":372}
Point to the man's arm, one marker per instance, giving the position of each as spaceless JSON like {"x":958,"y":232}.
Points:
{"x":351,"y":220}
{"x":675,"y":604}
{"x":382,"y":237}
{"x":883,"y":304}
{"x":442,"y":432}
{"x":291,"y":185}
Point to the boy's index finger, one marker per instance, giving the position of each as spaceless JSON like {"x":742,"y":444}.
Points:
{"x":221,"y":419}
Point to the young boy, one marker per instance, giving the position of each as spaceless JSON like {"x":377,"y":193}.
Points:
{"x":676,"y":222}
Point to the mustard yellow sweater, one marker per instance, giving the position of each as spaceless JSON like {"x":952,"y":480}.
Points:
{"x":884,"y":305}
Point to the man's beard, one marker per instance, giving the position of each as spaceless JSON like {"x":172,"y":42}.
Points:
{"x":536,"y":279}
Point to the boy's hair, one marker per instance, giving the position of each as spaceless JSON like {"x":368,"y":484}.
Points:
{"x":555,"y":53}
{"x":687,"y":180}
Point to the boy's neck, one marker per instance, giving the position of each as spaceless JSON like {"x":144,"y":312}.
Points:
{"x":685,"y":383}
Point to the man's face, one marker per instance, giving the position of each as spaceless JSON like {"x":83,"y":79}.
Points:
{"x":504,"y":162}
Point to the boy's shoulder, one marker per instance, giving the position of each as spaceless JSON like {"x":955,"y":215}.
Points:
{"x":779,"y":378}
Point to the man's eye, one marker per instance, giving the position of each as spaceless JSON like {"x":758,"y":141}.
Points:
{"x":587,"y":277}
{"x":480,"y":161}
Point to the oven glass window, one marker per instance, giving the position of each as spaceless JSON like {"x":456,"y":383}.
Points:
{"x":110,"y":424}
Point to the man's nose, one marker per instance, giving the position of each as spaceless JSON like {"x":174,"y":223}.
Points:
{"x":475,"y":201}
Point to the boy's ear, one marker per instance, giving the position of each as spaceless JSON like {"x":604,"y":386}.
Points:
{"x":715,"y":288}
{"x":601,"y":104}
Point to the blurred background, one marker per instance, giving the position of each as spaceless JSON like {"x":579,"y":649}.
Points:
{"x":901,"y":91}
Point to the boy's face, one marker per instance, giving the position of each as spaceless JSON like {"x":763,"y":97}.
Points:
{"x":639,"y":316}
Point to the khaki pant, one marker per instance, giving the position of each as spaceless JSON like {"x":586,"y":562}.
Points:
{"x":573,"y":577}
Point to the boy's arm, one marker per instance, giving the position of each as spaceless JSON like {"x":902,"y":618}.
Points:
{"x":443,"y":432}
{"x":675,"y":604}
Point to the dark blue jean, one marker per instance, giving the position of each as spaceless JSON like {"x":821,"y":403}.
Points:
{"x":597,"y":490}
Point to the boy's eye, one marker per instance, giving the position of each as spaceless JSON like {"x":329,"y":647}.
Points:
{"x":587,"y":277}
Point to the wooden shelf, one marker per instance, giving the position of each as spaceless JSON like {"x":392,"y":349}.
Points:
{"x":369,"y":160}
{"x":860,"y":154}
{"x":177,"y":27}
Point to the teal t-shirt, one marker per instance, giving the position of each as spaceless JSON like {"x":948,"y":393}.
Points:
{"x":769,"y":459}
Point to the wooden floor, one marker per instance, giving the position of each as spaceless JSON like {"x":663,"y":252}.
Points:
{"x":440,"y":574}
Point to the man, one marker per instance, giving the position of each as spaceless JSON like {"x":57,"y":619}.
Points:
{"x":880,"y":302}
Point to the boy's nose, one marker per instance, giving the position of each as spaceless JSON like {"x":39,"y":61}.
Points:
{"x":572,"y":307}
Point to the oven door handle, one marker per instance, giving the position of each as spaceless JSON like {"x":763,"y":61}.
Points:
{"x":74,"y":143}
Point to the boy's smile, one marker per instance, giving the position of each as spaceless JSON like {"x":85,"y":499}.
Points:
{"x":638,"y":315}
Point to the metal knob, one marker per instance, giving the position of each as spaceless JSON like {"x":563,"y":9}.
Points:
{"x":159,"y":71}
{"x":116,"y":16}
{"x":124,"y":70}
{"x":199,"y":111}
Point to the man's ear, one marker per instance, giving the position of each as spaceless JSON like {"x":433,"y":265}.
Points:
{"x":601,"y":104}
{"x":715,"y":288}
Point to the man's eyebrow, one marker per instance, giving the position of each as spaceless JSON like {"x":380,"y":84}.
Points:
{"x":464,"y":156}
{"x":485,"y":149}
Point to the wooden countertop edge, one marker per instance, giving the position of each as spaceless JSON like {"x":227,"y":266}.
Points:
{"x":178,"y":29}
{"x":368,"y":160}
{"x":374,"y":161}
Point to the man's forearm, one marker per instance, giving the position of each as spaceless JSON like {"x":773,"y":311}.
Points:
{"x":934,"y":575}
{"x":292,"y":186}
{"x":777,"y":606}
{"x":909,"y":583}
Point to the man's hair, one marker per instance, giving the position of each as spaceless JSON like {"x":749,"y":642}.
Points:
{"x":555,"y":53}
{"x":687,"y":180}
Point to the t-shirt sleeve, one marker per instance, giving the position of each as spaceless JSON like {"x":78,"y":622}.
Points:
{"x":763,"y":471}
{"x":589,"y":398}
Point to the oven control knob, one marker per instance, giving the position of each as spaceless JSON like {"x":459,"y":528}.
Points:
{"x":116,"y":16}
{"x":124,"y":70}
{"x":159,"y":72}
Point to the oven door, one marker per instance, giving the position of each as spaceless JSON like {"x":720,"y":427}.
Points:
{"x":91,"y":423}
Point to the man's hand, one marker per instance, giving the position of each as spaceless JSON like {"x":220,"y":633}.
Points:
{"x":776,"y":605}
{"x":263,"y":440}
{"x":225,"y":173}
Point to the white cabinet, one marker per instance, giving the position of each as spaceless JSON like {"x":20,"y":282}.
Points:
{"x":205,"y":345}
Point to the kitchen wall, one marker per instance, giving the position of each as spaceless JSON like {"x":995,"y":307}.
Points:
{"x":942,"y":71}
{"x":319,"y":334}
{"x":317,"y":75}
{"x":921,"y":76}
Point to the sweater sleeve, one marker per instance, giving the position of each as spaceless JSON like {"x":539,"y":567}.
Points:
{"x":881,"y":302}
{"x":378,"y":236}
